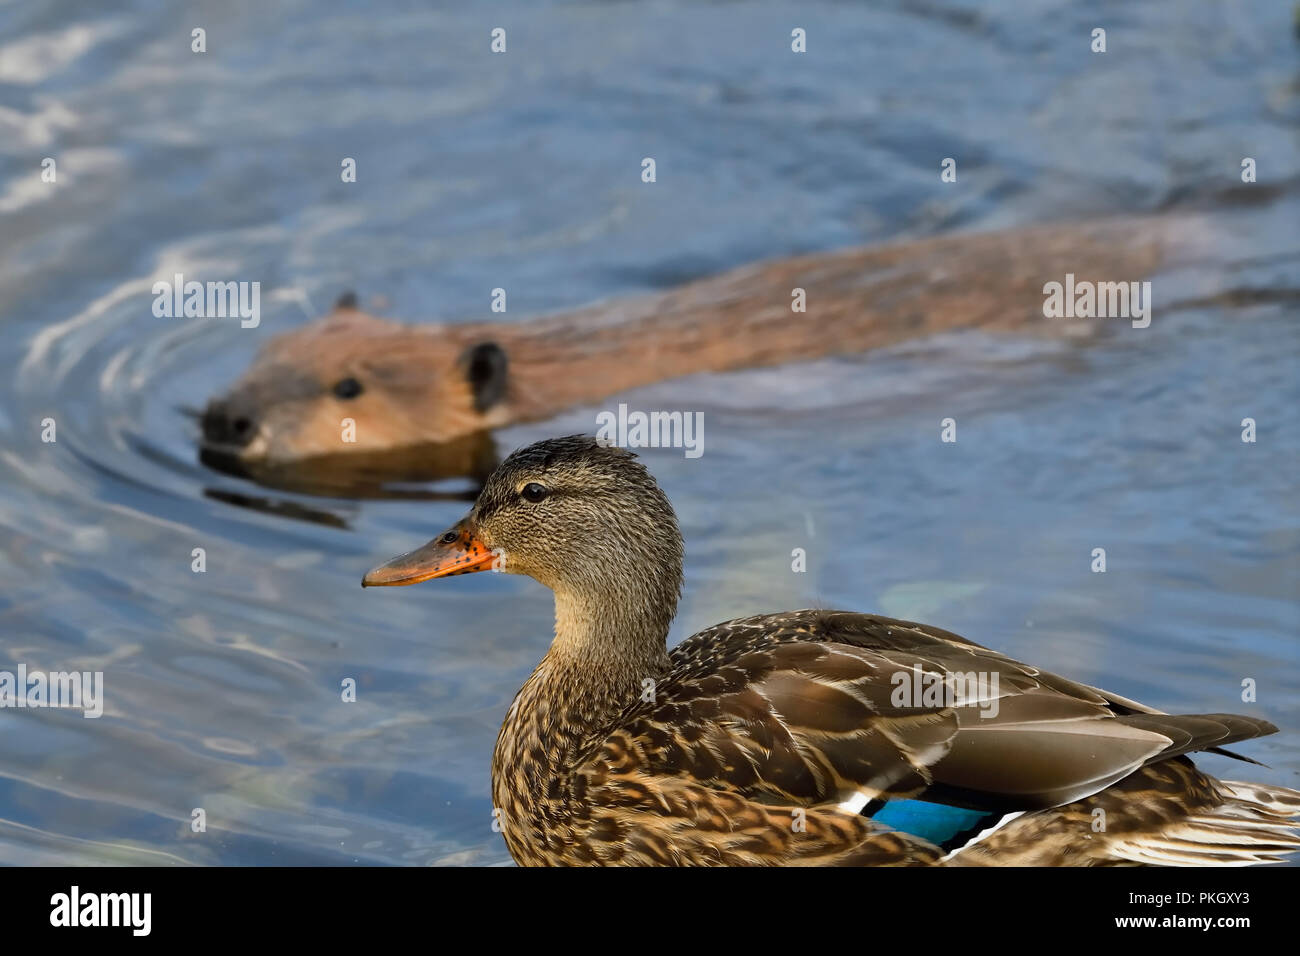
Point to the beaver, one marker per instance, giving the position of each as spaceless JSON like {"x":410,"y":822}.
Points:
{"x":402,"y":386}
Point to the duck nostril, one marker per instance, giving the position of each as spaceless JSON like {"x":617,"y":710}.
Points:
{"x":449,"y":537}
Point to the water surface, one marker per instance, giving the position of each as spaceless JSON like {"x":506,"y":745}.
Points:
{"x":522,"y":171}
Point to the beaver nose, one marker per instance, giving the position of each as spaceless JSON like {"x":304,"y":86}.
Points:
{"x":227,"y":423}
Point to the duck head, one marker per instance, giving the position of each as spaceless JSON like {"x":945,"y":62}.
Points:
{"x":585,"y":519}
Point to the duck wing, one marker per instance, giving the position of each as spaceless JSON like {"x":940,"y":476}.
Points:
{"x":813,"y":707}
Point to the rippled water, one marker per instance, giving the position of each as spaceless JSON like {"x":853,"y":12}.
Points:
{"x":222,"y":688}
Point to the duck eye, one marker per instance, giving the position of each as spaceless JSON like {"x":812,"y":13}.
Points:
{"x":348,"y":388}
{"x":533,"y":492}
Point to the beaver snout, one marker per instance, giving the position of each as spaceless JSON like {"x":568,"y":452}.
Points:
{"x":229,"y":422}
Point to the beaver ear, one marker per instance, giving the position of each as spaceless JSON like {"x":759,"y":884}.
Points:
{"x":485,"y":370}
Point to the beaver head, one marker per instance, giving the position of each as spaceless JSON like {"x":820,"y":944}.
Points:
{"x":353,"y":383}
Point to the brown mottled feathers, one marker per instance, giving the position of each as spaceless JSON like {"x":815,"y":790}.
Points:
{"x":1165,"y":814}
{"x":797,"y":707}
{"x":764,"y":724}
{"x":814,"y":737}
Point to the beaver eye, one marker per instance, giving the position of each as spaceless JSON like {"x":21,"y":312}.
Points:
{"x":348,"y":388}
{"x":533,"y":492}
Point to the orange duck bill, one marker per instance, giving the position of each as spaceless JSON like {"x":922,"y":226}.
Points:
{"x":456,"y":551}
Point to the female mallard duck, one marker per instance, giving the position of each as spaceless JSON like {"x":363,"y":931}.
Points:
{"x":784,"y":738}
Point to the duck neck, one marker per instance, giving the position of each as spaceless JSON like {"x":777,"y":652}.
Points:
{"x":618,"y":636}
{"x":606,"y":654}
{"x":598,"y":665}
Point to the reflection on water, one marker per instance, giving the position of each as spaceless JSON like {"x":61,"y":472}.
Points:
{"x":446,"y":471}
{"x":223,"y":685}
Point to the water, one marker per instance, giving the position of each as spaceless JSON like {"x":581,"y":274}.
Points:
{"x":522,"y":171}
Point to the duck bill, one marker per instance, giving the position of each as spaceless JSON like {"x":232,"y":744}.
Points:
{"x":458,"y":551}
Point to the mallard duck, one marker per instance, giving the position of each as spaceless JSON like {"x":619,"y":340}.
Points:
{"x":809,"y":737}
